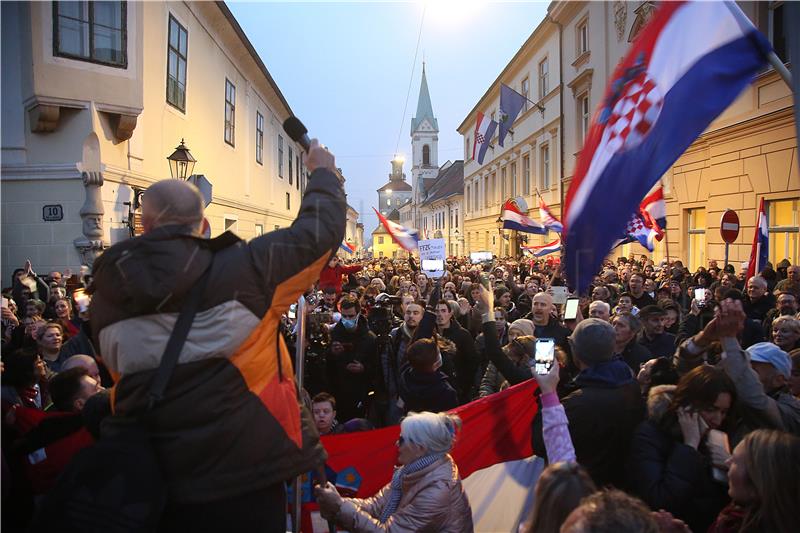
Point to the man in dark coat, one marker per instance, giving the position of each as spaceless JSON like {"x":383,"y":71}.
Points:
{"x":604,"y":409}
{"x":653,"y":337}
{"x":466,"y":357}
{"x":423,"y":387}
{"x":352,"y":360}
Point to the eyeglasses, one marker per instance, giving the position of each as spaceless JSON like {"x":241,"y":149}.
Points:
{"x":401,"y":440}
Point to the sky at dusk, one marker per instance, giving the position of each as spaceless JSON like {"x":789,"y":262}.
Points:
{"x":345,"y":68}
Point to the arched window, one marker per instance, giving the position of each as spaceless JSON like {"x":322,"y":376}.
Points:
{"x":426,"y":155}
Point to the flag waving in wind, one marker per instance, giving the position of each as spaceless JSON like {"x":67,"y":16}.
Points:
{"x":545,"y":249}
{"x":514,"y":219}
{"x":685,"y":67}
{"x":548,"y":218}
{"x":347,"y":247}
{"x":406,"y":238}
{"x":654,"y":209}
{"x":511,"y":103}
{"x":484,"y":131}
{"x":760,"y":251}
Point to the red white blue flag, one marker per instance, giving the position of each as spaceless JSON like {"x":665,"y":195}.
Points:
{"x":548,"y":218}
{"x":654,"y":209}
{"x":687,"y":65}
{"x":348,"y":247}
{"x":484,"y":131}
{"x":406,"y":238}
{"x":545,"y":249}
{"x":513,"y":219}
{"x":760,"y":251}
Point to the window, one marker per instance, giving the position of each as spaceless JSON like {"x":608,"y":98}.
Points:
{"x":486,"y":191}
{"x":291,"y":173}
{"x":426,"y":155}
{"x":514,"y":180}
{"x":583,"y":116}
{"x":380,"y":240}
{"x":544,"y":78}
{"x":288,"y":202}
{"x":176,"y":64}
{"x":91,"y":31}
{"x":583,"y":37}
{"x":503,"y":189}
{"x":297,"y":172}
{"x":777,"y":30}
{"x":280,"y":156}
{"x":230,"y":112}
{"x":259,"y":138}
{"x":467,"y":148}
{"x":526,"y":175}
{"x":696,"y":224}
{"x":259,"y":230}
{"x":784,"y":230}
{"x":455,"y":224}
{"x":544,"y":157}
{"x":526,"y":92}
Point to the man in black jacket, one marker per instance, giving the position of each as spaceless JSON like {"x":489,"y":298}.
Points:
{"x":605,"y":408}
{"x":423,"y":387}
{"x":466,"y":358}
{"x":352,"y":360}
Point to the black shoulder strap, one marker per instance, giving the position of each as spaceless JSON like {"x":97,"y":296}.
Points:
{"x":177,"y":339}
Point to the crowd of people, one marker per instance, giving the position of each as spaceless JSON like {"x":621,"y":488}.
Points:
{"x":672,"y":404}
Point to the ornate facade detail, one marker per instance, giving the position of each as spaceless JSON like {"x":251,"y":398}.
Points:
{"x":620,"y":18}
{"x":90,"y":245}
{"x":44,"y":118}
{"x":643,"y":15}
{"x":124,"y":126}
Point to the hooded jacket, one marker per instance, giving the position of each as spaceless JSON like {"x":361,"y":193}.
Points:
{"x":668,"y":474}
{"x":433,"y":500}
{"x":603,"y":413}
{"x":230,"y":421}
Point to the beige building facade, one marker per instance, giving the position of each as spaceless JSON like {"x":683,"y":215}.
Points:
{"x":87,"y":125}
{"x":748,"y":153}
{"x":528,"y":166}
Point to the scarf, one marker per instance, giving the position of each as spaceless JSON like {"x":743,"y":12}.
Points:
{"x":397,"y":482}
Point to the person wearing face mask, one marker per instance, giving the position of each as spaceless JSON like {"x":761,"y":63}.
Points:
{"x":352,"y":358}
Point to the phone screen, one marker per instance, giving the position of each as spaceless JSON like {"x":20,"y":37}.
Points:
{"x":700,"y":296}
{"x":432,"y":265}
{"x":571,"y":309}
{"x":545,"y":353}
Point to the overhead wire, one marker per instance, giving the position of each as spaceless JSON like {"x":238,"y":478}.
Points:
{"x":411,"y":79}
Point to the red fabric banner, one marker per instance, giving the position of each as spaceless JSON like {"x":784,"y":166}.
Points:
{"x":495,"y":429}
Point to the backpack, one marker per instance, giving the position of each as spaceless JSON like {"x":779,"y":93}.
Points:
{"x":116,"y":485}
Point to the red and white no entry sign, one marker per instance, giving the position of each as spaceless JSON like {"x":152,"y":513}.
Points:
{"x":729,"y":226}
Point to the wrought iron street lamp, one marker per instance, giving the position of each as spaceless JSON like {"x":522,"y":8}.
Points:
{"x":181,"y":162}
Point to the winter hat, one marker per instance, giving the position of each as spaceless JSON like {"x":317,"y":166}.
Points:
{"x":523,"y":325}
{"x":593,"y":341}
{"x":766,"y":352}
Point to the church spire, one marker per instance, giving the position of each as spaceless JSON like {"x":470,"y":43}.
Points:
{"x":424,"y":107}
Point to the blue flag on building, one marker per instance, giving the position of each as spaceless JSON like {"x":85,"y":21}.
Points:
{"x":511,"y":103}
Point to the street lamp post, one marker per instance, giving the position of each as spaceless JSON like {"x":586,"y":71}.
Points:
{"x":181,"y":162}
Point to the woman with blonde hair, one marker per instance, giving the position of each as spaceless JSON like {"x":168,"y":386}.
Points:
{"x":764,"y":484}
{"x":425,"y":493}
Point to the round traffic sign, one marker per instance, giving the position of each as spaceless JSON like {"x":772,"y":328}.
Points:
{"x":729,"y":226}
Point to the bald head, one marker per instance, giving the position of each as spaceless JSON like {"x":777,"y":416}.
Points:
{"x":172,"y":203}
{"x":82,"y":361}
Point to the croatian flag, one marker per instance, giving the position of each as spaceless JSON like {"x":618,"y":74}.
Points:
{"x":684,"y":69}
{"x":546,"y":249}
{"x":347,"y":247}
{"x":654,"y":209}
{"x":484,"y":131}
{"x":637,"y":230}
{"x":406,"y":238}
{"x":514,"y":219}
{"x":548,"y":218}
{"x":760,"y":250}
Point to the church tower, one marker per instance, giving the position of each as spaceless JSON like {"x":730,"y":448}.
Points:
{"x":424,"y":143}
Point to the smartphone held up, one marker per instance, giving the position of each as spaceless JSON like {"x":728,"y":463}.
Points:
{"x":544,"y":355}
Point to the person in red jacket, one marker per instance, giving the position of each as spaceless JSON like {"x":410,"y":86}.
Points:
{"x":331,"y":275}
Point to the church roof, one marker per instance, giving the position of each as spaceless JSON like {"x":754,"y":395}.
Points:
{"x":449,"y":182}
{"x":396,"y":185}
{"x":424,"y":107}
